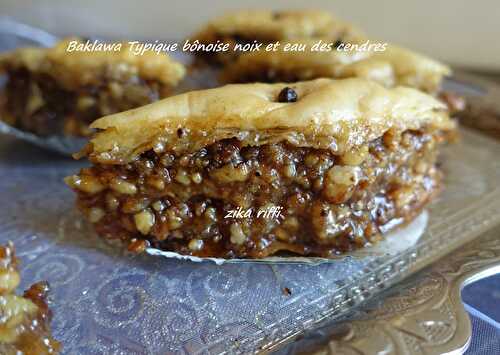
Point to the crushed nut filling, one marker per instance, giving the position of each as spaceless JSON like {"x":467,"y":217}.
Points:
{"x":35,"y":102}
{"x":331,"y":203}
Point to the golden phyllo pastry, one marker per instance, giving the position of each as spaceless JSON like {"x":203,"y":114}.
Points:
{"x":61,"y":90}
{"x":25,"y":320}
{"x":335,"y":163}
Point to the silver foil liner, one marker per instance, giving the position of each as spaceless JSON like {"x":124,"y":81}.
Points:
{"x":14,"y":34}
{"x":60,"y":144}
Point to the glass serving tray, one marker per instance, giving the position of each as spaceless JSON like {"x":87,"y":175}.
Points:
{"x":105,"y":301}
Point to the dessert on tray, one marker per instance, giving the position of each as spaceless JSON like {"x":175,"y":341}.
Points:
{"x":25,"y":321}
{"x":344,"y":161}
{"x":53,"y":91}
{"x":266,"y":26}
{"x":312,"y":44}
{"x":390,"y":67}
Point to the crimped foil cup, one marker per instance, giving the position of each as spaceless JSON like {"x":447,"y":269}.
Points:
{"x":61,"y":144}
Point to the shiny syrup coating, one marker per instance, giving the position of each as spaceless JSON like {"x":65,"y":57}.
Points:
{"x":330,"y":203}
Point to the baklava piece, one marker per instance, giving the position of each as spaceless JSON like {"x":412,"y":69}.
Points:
{"x":344,"y":161}
{"x":53,"y":91}
{"x":25,"y":320}
{"x":390,"y":67}
{"x":265,"y":26}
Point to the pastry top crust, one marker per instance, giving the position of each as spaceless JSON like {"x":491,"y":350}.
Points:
{"x":391,"y":67}
{"x":333,"y":114}
{"x":77,"y":68}
{"x":274,"y":25}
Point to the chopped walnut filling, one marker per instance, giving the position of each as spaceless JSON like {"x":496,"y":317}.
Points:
{"x":331,"y":203}
{"x":24,"y":321}
{"x":38,"y":103}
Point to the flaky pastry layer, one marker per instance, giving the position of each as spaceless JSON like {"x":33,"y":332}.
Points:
{"x":338,"y":115}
